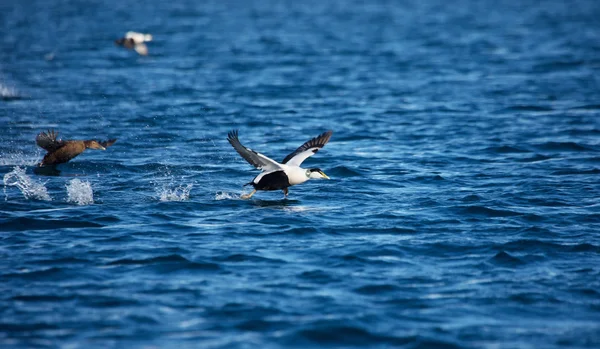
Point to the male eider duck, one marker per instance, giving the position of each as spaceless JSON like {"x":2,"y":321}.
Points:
{"x":280,"y":176}
{"x":60,"y":151}
{"x":136,"y":41}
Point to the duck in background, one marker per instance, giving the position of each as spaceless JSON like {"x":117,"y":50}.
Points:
{"x":135,"y":41}
{"x":60,"y":151}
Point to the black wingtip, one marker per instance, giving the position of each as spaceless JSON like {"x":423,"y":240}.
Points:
{"x":323,"y":138}
{"x":233,"y":134}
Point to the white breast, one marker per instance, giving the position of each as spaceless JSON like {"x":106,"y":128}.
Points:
{"x":296,"y":174}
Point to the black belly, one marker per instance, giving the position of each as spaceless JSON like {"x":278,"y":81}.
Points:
{"x":273,"y":181}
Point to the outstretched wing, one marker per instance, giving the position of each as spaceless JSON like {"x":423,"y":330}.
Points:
{"x":48,"y":140}
{"x":108,"y":143}
{"x":141,"y":49}
{"x":307,"y":149}
{"x":255,"y":159}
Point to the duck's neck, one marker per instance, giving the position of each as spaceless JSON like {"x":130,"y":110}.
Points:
{"x":296,"y":175}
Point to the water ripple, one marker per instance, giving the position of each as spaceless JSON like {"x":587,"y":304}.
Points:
{"x":462,"y":210}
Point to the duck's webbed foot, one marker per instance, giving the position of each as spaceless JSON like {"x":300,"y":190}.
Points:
{"x":285,"y":192}
{"x":248,"y":196}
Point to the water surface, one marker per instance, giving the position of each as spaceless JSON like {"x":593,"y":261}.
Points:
{"x":463,"y":209}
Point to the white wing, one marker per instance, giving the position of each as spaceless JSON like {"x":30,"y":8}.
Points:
{"x":255,"y":159}
{"x":141,"y":48}
{"x":307,"y":149}
{"x":138,"y":38}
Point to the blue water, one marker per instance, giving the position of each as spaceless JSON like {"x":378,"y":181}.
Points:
{"x":463,"y":209}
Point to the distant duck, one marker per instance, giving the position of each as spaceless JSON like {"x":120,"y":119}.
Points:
{"x":136,"y":41}
{"x":281,"y":176}
{"x":60,"y":151}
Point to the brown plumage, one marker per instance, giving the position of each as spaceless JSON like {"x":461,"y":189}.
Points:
{"x":60,"y":151}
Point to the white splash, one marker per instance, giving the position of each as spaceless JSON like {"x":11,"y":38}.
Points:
{"x":80,"y":192}
{"x":8,"y":93}
{"x":29,"y":188}
{"x":19,"y":158}
{"x":179,"y":193}
{"x":222,"y":195}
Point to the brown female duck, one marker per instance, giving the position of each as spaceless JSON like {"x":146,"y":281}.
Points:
{"x":60,"y":151}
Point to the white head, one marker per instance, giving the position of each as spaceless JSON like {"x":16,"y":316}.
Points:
{"x":316,"y":173}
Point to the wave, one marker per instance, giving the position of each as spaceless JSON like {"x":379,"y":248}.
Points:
{"x":299,"y":230}
{"x":506,"y":149}
{"x":318,"y":276}
{"x":471,"y":198}
{"x":167,"y":263}
{"x":587,"y":107}
{"x":104,"y":301}
{"x":528,"y":298}
{"x":534,"y":158}
{"x":376,"y":289}
{"x":337,"y":333}
{"x":370,"y":230}
{"x":525,"y":108}
{"x":489,"y":212}
{"x":80,"y":192}
{"x":41,"y":298}
{"x":383,"y":251}
{"x":29,"y":327}
{"x":584,"y":132}
{"x":25,"y":224}
{"x":429,"y":178}
{"x":53,"y":273}
{"x":564,"y":146}
{"x":241,"y":258}
{"x":62,"y":261}
{"x":576,"y":172}
{"x":29,"y":188}
{"x":343,"y":171}
{"x":502,"y":258}
{"x":552,"y":67}
{"x":531,"y":245}
{"x":349,"y":335}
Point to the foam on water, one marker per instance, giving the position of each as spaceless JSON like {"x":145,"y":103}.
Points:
{"x":223,"y":195}
{"x":80,"y":192}
{"x":176,"y":193}
{"x":29,"y":188}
